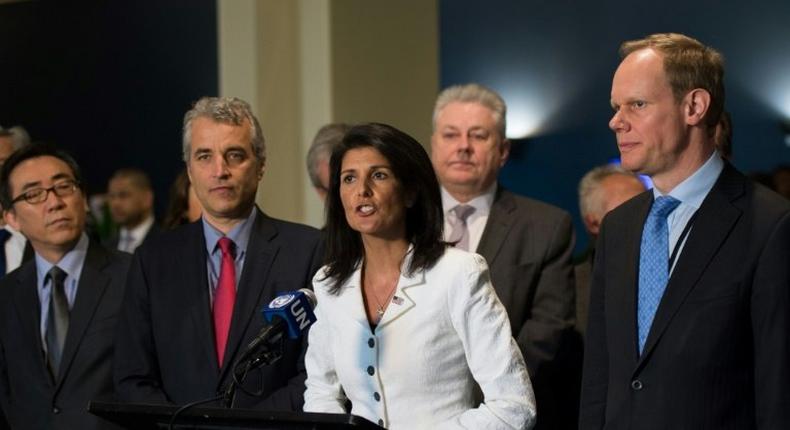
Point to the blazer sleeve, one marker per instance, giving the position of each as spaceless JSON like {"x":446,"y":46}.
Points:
{"x":136,"y":370}
{"x":770,"y":317}
{"x":324,"y":393}
{"x":595,"y":376}
{"x":552,"y":313}
{"x":493,"y":357}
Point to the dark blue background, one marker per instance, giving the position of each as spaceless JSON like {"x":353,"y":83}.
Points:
{"x":554,"y":60}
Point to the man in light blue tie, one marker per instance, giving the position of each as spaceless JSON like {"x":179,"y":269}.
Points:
{"x":690,"y":299}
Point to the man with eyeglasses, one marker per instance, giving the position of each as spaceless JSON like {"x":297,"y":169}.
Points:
{"x":57,"y":311}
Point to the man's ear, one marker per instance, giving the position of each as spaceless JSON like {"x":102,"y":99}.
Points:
{"x":504,"y":151}
{"x":261,"y":169}
{"x":149,"y":199}
{"x":592,"y":223}
{"x":10,"y":218}
{"x":695,"y":106}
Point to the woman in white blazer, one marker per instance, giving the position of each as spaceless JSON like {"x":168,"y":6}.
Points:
{"x":406,"y":326}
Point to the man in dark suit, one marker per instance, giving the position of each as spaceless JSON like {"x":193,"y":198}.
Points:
{"x":526,"y":243}
{"x":690,"y":311}
{"x":57,"y":311}
{"x":131,"y":201}
{"x":194,"y":293}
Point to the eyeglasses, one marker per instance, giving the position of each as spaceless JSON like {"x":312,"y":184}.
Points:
{"x":39,"y":195}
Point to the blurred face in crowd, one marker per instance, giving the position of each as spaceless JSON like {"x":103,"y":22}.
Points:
{"x":223,"y":171}
{"x":6,"y":148}
{"x":129,"y":204}
{"x":53,"y":226}
{"x":467,"y":150}
{"x":648,"y":121}
{"x":322,"y":168}
{"x":612,"y":191}
{"x":372,"y":196}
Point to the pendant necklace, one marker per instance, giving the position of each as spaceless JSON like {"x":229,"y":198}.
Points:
{"x":380,"y":308}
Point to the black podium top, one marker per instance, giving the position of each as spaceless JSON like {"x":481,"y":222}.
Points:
{"x":140,"y":416}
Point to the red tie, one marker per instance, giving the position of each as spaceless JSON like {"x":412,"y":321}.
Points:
{"x":224,"y":297}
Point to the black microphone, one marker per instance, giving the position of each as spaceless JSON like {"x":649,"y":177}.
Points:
{"x":288,"y":314}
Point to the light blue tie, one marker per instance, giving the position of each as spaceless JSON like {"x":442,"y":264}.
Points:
{"x":653,"y":263}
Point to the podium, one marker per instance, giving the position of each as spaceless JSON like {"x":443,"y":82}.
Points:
{"x":143,"y":417}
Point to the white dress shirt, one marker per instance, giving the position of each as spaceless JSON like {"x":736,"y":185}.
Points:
{"x":14,"y":249}
{"x":476,"y":222}
{"x":691,"y":193}
{"x":443,"y":332}
{"x":136,"y":235}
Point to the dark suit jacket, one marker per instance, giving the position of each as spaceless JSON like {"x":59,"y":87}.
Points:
{"x":165,"y":340}
{"x":155,"y":230}
{"x":583,"y":273}
{"x":528,"y":246}
{"x":30,"y":399}
{"x":718,"y":352}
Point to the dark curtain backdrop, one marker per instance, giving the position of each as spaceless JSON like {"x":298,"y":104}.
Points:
{"x":108,"y":80}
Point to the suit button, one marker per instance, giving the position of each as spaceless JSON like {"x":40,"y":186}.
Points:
{"x":377,"y":396}
{"x":55,"y":410}
{"x":371,"y":342}
{"x":636,"y":385}
{"x":381,"y":423}
{"x":371,"y":371}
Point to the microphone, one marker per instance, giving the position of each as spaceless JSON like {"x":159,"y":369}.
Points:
{"x":287,"y":314}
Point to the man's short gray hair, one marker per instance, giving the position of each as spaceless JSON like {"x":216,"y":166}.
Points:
{"x":327,"y":138}
{"x":226,"y":110}
{"x":590,"y":201}
{"x":474,"y":93}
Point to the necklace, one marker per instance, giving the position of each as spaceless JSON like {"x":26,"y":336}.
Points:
{"x":380,"y":308}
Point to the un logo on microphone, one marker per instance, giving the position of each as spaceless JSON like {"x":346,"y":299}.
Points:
{"x":281,"y":301}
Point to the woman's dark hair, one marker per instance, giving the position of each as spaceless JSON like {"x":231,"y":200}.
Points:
{"x":178,"y":205}
{"x":424,"y":219}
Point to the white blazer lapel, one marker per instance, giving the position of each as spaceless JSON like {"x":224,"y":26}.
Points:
{"x":401,"y":302}
{"x":350,"y":300}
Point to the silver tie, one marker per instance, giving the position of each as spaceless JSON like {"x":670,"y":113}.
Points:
{"x":459,"y":236}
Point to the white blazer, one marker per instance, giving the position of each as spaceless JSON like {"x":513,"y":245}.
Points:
{"x":443,"y":331}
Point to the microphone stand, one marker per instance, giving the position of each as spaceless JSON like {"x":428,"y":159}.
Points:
{"x":270,"y":354}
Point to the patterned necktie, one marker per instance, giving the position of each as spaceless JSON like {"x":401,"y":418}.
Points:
{"x":58,"y":319}
{"x":460,"y":231}
{"x":653,"y":263}
{"x":4,"y":236}
{"x":224,"y":297}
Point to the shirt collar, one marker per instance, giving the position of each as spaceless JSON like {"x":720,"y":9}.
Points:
{"x":240,"y":234}
{"x":481,"y":203}
{"x":138,"y":233}
{"x":71,"y":263}
{"x":692,"y":190}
